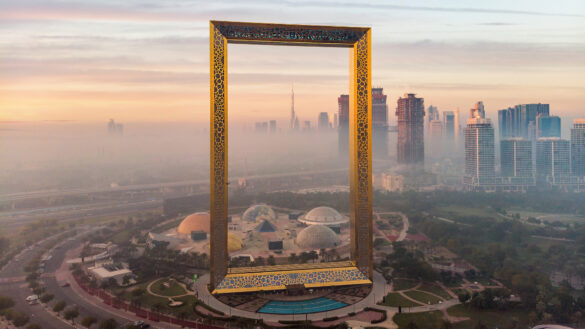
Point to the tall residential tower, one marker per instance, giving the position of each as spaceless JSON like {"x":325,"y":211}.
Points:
{"x":410,"y":112}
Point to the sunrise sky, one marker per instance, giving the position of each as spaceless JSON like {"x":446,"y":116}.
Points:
{"x":149,"y":60}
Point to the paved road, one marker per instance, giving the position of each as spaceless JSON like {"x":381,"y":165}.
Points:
{"x":19,"y":291}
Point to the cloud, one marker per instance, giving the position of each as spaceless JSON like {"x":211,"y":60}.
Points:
{"x":434,"y":9}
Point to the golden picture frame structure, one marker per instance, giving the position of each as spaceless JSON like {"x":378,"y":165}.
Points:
{"x":358,"y":40}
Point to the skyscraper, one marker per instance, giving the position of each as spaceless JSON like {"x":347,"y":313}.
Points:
{"x":520,"y":120}
{"x":479,"y":152}
{"x":261,"y":127}
{"x":343,"y":132}
{"x":335,"y":121}
{"x":410,"y":111}
{"x":578,"y":147}
{"x":478,"y":111}
{"x":548,"y":126}
{"x":435,"y":148}
{"x":379,"y":124}
{"x":293,"y":116}
{"x":272,"y":126}
{"x":552,"y":160}
{"x":449,"y":122}
{"x":432,"y":115}
{"x":323,"y":121}
{"x":516,"y":160}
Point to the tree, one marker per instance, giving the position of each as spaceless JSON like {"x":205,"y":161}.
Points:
{"x":59,"y":306}
{"x":71,"y":314}
{"x":463,"y":297}
{"x":88,"y":321}
{"x":126,"y":280}
{"x":109,"y":324}
{"x":33,"y":326}
{"x":271,"y":260}
{"x":411,"y":325}
{"x":19,"y":319}
{"x":6,"y":302}
{"x":45,"y":298}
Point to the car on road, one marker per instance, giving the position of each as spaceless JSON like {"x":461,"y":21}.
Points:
{"x":140,"y":324}
{"x":64,"y":284}
{"x":32,"y":299}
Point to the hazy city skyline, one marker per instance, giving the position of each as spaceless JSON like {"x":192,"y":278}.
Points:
{"x":140,"y":61}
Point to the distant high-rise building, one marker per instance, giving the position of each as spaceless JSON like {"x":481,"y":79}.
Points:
{"x":293,"y":116}
{"x":516,"y":160}
{"x":552,"y":159}
{"x":379,"y":124}
{"x":451,"y":130}
{"x":548,"y":126}
{"x":343,"y":133}
{"x":410,"y":111}
{"x":272,"y":126}
{"x":115,"y":128}
{"x":111,"y":126}
{"x":520,"y":120}
{"x":578,"y":147}
{"x":261,"y":127}
{"x":435,"y":146}
{"x":449,"y":122}
{"x":432,"y":115}
{"x":478,"y":111}
{"x":307,"y":126}
{"x":323,"y":121}
{"x":335,"y":122}
{"x":479,"y":152}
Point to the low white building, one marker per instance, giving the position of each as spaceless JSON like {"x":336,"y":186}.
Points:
{"x":111,"y":271}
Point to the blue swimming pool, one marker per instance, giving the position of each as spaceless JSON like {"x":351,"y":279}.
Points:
{"x":320,"y":304}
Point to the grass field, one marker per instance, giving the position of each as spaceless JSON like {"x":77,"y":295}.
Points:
{"x":491,"y":318}
{"x":453,"y":212}
{"x":395,"y":299}
{"x":435,"y":289}
{"x":422,"y":297}
{"x":426,"y":320}
{"x":565,"y":218}
{"x":404,"y":284}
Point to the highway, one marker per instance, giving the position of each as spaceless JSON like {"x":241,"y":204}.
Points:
{"x":141,"y":187}
{"x":10,"y":223}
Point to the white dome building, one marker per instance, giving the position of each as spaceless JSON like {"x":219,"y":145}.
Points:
{"x":324,"y":216}
{"x":317,"y":237}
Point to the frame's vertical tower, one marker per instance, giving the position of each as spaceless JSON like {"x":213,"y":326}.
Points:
{"x":358,"y":40}
{"x":360,"y":154}
{"x":218,"y":166}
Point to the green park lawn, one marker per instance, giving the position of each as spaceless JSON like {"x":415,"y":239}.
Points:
{"x":490,"y":318}
{"x":395,"y":299}
{"x":458,"y":211}
{"x":422,"y":297}
{"x":174,"y":290}
{"x":426,"y":320}
{"x":435,"y":289}
{"x":403,"y":284}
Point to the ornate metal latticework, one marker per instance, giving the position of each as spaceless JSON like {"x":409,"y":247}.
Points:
{"x":359,"y":40}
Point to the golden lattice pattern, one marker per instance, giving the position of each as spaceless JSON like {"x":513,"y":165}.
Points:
{"x":279,"y":280}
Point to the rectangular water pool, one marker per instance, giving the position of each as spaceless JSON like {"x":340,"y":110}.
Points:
{"x":316,"y":305}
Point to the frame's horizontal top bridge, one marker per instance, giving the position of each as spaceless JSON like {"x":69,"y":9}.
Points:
{"x":308,"y":35}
